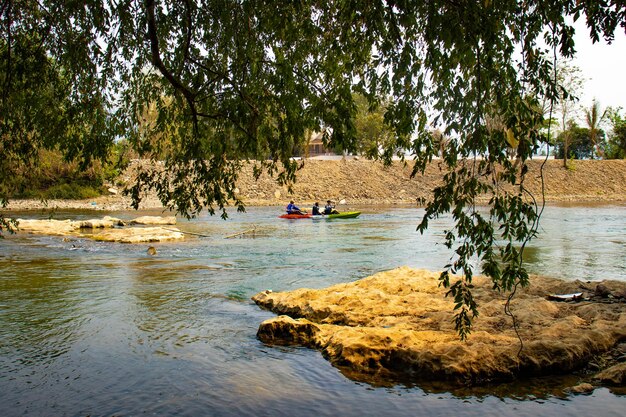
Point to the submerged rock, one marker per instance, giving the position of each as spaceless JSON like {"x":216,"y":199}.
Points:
{"x":399,"y":324}
{"x":583,"y":388}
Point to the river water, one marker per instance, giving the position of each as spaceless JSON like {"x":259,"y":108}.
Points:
{"x":92,"y":328}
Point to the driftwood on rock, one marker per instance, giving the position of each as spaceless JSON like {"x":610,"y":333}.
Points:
{"x":399,"y":325}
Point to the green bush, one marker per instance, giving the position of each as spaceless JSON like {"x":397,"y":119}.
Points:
{"x":71,"y":192}
{"x":61,"y":192}
{"x":52,"y":177}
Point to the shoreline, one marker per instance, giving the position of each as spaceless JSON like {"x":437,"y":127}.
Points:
{"x":120,"y":203}
{"x":105,"y":204}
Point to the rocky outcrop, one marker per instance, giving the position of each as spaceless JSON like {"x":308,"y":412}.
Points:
{"x":105,"y":222}
{"x":154,"y":220}
{"x":138,"y":235}
{"x":370,"y":182}
{"x":108,"y":229}
{"x":399,"y":324}
{"x":65,"y":227}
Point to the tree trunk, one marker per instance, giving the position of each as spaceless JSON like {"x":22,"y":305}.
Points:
{"x":565,"y":149}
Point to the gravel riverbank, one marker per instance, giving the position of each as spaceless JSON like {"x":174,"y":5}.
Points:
{"x":367,"y":182}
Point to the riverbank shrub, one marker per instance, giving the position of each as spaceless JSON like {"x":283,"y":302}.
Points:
{"x":55,"y":178}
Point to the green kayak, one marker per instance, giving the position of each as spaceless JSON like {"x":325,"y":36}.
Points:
{"x":344,"y":215}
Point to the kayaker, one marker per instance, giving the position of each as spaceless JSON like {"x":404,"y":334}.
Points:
{"x":316,"y":209}
{"x":330,"y":208}
{"x":293,"y":209}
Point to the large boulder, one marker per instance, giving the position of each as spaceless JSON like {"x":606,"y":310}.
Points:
{"x":399,"y":324}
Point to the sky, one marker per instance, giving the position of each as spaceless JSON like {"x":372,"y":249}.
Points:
{"x":604,"y":66}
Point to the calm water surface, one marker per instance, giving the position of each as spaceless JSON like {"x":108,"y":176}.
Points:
{"x":90,"y":328}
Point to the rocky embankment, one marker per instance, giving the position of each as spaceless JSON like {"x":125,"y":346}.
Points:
{"x":365,"y":182}
{"x":397,"y":325}
{"x":368,"y":182}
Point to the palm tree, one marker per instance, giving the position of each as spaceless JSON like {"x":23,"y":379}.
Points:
{"x":594,"y":119}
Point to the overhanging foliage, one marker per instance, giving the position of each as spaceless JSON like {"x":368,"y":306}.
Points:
{"x":236,"y":80}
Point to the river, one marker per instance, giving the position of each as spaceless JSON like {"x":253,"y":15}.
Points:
{"x":103,"y":329}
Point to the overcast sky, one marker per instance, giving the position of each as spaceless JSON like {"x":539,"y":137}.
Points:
{"x":604,"y":66}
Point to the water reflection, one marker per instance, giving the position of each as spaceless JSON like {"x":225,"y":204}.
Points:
{"x":40,"y":313}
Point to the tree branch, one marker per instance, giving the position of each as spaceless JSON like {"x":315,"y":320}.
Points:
{"x":7,"y":83}
{"x":158,"y":63}
{"x":189,"y":19}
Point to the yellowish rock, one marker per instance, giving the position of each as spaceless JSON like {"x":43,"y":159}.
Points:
{"x":46,"y":227}
{"x":399,"y":324}
{"x":583,"y":388}
{"x":154,"y":220}
{"x":105,"y":222}
{"x":108,"y":226}
{"x":138,"y":235}
{"x":615,"y":375}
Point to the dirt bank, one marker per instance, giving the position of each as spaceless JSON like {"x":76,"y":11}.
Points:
{"x":367,"y":182}
{"x":399,"y":325}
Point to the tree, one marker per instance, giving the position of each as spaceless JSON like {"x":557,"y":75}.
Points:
{"x":571,"y":81}
{"x":39,"y":116}
{"x":616,"y":146}
{"x":372,"y":134}
{"x":594,"y":118}
{"x":580,"y":143}
{"x":249,"y":78}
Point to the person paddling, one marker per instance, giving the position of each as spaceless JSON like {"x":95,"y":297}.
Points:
{"x":293,"y":209}
{"x":316,"y":209}
{"x":330,"y":208}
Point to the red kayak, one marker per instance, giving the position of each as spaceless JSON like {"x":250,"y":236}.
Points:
{"x":295,"y":216}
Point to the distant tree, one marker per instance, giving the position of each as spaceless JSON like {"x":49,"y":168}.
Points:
{"x":571,"y":83}
{"x":616,"y":144}
{"x":594,"y":116}
{"x":580,"y":143}
{"x":440,"y":142}
{"x":373,"y":135}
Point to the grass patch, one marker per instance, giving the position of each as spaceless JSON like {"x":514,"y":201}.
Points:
{"x":73,"y":191}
